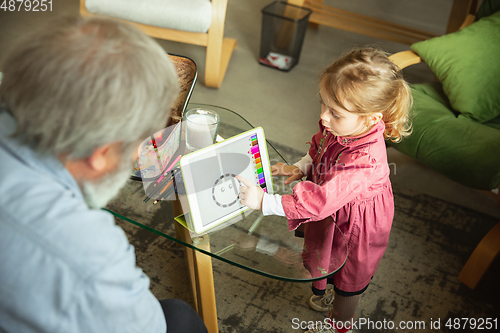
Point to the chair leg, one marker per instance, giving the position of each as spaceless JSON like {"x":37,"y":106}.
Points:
{"x":314,"y":26}
{"x":201,"y":275}
{"x":459,"y":12}
{"x":205,"y":288}
{"x":299,"y":3}
{"x":217,"y":62}
{"x":182,"y":234}
{"x":481,"y":259}
{"x":219,"y":49}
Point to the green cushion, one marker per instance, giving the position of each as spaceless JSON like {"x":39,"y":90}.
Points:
{"x":435,"y":91}
{"x":467,"y":62}
{"x":459,"y":148}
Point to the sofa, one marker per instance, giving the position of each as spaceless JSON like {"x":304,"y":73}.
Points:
{"x":456,"y":119}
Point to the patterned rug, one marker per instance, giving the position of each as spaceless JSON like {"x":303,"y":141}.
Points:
{"x":415,"y":289}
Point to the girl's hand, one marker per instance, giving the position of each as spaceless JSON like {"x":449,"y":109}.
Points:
{"x":282,"y":169}
{"x":250,"y":194}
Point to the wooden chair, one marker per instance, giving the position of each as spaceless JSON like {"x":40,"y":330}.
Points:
{"x":369,"y":26}
{"x":219,"y":49}
{"x":188,"y":74}
{"x":488,"y":249}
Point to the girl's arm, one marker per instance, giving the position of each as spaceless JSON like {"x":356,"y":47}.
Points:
{"x":271,"y":205}
{"x":304,"y":164}
{"x":254,"y":197}
{"x":352,"y":176}
{"x":295,"y":171}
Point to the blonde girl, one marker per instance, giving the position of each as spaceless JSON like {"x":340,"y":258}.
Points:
{"x":364,"y":101}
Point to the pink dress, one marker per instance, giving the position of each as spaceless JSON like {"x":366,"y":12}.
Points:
{"x":348,"y":183}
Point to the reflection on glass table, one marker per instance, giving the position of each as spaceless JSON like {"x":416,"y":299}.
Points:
{"x":257,"y":243}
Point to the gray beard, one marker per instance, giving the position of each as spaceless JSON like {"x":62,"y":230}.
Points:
{"x":99,"y":192}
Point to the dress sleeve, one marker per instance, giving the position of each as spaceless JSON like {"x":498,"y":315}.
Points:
{"x":353,"y":175}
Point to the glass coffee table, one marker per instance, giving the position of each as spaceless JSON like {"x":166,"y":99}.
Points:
{"x":259,"y":244}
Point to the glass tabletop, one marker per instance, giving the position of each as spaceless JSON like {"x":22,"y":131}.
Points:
{"x":257,"y":243}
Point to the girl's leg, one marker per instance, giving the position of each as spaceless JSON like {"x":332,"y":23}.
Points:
{"x":345,"y":304}
{"x":344,"y":307}
{"x":342,"y":314}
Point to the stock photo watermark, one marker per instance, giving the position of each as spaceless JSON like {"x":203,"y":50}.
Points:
{"x":26,"y":5}
{"x":158,"y":166}
{"x":414,"y":325}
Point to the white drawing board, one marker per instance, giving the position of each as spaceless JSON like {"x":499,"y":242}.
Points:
{"x":209,"y":178}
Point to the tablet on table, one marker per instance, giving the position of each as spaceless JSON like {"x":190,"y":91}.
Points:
{"x":209,"y":178}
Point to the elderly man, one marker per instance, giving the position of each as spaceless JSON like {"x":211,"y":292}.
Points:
{"x":76,"y":99}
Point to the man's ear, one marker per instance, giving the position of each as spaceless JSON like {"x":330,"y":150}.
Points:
{"x":98,"y":161}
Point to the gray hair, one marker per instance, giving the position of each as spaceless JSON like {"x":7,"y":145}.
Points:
{"x":81,"y":83}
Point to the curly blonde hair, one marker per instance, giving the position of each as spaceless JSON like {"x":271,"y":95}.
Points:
{"x":368,"y":82}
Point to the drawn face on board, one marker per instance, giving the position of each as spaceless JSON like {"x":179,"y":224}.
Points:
{"x":225,"y":190}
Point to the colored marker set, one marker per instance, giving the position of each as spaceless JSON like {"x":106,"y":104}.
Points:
{"x":164,"y":186}
{"x":259,"y":171}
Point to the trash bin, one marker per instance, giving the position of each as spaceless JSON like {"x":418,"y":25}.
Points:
{"x":283,"y":29}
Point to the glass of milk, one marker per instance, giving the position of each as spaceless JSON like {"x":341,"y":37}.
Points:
{"x":201,"y":128}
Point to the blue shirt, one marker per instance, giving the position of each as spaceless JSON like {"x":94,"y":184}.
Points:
{"x":63,"y":266}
